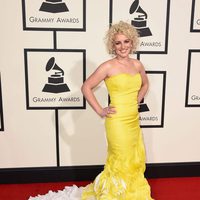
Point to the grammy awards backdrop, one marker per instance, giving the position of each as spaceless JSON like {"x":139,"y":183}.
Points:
{"x":48,"y":49}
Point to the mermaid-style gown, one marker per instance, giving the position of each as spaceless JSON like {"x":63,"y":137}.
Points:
{"x":123,"y":174}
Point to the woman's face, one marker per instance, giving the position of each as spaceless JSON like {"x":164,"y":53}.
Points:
{"x":122,"y":45}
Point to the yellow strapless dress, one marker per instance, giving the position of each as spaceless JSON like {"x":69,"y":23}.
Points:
{"x":123,"y":174}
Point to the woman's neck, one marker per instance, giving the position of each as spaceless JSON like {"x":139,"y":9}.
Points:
{"x":122,"y":59}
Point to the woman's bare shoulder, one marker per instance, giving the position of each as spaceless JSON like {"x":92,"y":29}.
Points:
{"x":107,"y":64}
{"x":136,"y":61}
{"x":137,"y":64}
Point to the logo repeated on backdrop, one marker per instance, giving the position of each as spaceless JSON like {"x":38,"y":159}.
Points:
{"x":143,"y":107}
{"x":54,"y":78}
{"x":54,"y":6}
{"x":152,"y":106}
{"x":1,"y":109}
{"x":195,"y":16}
{"x":192,"y":98}
{"x":139,"y":19}
{"x":146,"y":16}
{"x":60,"y":15}
{"x":56,"y":82}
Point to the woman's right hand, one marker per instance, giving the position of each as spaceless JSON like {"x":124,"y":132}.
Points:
{"x":107,"y":111}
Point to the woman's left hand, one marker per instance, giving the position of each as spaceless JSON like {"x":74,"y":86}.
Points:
{"x":108,"y":111}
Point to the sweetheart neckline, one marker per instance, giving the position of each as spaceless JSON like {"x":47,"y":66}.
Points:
{"x":133,"y":75}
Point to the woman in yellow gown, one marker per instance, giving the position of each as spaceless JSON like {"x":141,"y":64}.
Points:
{"x":127,"y":83}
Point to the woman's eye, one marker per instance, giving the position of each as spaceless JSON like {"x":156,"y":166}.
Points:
{"x":127,"y":41}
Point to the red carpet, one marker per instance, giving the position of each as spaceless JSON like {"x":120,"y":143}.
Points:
{"x":162,"y":189}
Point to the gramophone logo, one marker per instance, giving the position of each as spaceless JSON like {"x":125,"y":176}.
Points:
{"x":59,"y":15}
{"x":56,"y":80}
{"x":143,"y":106}
{"x":140,"y":19}
{"x":54,"y":6}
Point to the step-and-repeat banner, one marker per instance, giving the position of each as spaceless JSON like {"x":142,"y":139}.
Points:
{"x":54,"y":45}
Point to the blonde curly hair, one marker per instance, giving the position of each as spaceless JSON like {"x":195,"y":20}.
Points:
{"x":124,"y":28}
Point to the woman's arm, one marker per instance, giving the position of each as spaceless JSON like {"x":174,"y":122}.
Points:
{"x":145,"y":82}
{"x":87,"y":89}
